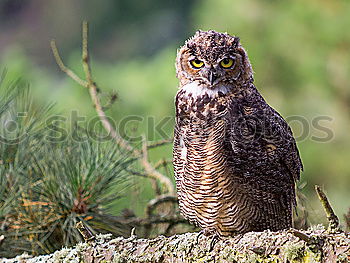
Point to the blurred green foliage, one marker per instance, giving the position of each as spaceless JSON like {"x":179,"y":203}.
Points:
{"x":299,"y":51}
{"x":48,"y":183}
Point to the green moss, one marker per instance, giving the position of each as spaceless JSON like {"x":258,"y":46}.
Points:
{"x":295,"y":252}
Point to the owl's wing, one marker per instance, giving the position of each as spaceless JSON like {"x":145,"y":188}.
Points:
{"x":287,"y":151}
{"x":262,"y":142}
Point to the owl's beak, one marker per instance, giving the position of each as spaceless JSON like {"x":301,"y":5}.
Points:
{"x":212,"y":77}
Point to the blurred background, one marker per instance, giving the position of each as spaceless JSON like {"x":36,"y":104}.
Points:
{"x":299,"y":51}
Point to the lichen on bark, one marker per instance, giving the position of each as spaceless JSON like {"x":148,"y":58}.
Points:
{"x":313,"y":245}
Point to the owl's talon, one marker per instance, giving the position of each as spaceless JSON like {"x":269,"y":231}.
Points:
{"x":210,"y":233}
{"x":214,"y":240}
{"x":198,"y":236}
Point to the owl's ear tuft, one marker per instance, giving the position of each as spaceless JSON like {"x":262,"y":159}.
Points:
{"x":197,"y":34}
{"x":236,"y":42}
{"x":190,"y":45}
{"x":189,"y":42}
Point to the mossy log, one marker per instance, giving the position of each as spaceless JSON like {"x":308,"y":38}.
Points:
{"x":313,"y":245}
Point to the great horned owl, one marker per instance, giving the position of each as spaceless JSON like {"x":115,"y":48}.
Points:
{"x":235,"y":158}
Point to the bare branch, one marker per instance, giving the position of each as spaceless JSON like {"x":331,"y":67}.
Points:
{"x":137,"y":173}
{"x":86,"y":233}
{"x":172,"y":219}
{"x":162,"y":162}
{"x":300,"y":235}
{"x":85,"y":53}
{"x":331,"y":216}
{"x":94,"y":94}
{"x":159,"y":143}
{"x":151,"y":172}
{"x":157,"y":201}
{"x":66,"y":70}
{"x":264,"y":246}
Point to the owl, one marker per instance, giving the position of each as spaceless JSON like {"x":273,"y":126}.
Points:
{"x":235,"y":158}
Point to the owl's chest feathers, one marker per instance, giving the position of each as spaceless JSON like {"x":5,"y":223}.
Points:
{"x":201,"y":119}
{"x":194,"y":101}
{"x":203,"y":176}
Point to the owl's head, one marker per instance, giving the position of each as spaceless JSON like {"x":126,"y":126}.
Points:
{"x":212,"y":59}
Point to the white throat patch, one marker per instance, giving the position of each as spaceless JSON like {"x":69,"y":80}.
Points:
{"x":198,"y":90}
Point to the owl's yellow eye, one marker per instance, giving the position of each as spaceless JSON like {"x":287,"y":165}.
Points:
{"x":196,"y":63}
{"x":226,"y":63}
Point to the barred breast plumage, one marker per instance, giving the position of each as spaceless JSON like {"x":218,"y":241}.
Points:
{"x":235,"y":158}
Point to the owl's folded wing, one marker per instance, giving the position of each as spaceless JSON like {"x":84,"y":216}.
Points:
{"x":287,"y":151}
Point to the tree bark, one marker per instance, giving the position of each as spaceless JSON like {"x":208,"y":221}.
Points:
{"x":313,"y":245}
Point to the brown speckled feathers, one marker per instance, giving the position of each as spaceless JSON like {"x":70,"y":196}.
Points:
{"x":235,"y":158}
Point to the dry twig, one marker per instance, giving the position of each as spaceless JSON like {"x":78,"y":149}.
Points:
{"x":159,"y":143}
{"x":91,"y":85}
{"x":331,"y":216}
{"x":86,"y":233}
{"x":157,"y":201}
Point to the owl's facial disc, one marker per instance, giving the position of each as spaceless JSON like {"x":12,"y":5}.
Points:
{"x":211,"y":59}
